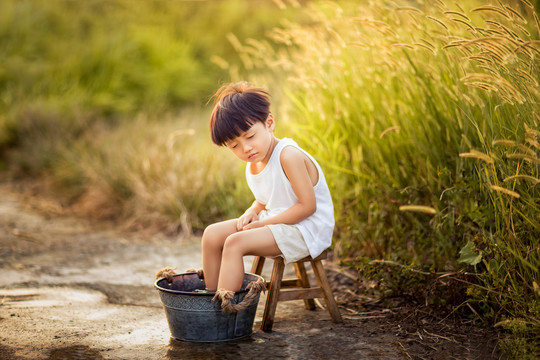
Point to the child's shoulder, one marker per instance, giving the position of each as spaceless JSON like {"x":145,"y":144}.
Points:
{"x":295,"y":162}
{"x":292,"y":153}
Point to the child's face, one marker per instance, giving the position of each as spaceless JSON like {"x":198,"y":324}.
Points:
{"x":255,"y":144}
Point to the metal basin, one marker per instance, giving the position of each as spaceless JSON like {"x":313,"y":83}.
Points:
{"x":193,"y":316}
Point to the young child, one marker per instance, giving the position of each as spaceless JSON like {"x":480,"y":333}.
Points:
{"x":292,"y":215}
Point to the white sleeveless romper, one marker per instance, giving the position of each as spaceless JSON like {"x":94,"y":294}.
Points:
{"x":272,"y":188}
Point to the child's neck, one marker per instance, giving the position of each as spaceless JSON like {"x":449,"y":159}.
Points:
{"x":256,"y":168}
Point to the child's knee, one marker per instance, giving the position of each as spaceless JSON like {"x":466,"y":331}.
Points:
{"x":208,"y":230}
{"x":214,"y":235}
{"x":233,"y":244}
{"x":215,"y":229}
{"x":210,"y":235}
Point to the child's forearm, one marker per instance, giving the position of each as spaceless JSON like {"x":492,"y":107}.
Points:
{"x":292,"y":215}
{"x":257,"y":207}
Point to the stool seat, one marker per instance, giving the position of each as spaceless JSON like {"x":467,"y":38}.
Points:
{"x":298,"y":288}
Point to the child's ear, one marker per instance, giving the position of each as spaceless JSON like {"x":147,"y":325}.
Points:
{"x":270,"y":123}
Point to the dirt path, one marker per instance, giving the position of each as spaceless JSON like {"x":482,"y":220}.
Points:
{"x":72,"y":290}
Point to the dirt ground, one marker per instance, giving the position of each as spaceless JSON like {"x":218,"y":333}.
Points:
{"x":72,"y":289}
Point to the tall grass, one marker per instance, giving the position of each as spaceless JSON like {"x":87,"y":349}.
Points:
{"x":426,"y":118}
{"x":90,"y":93}
{"x":166,"y":177}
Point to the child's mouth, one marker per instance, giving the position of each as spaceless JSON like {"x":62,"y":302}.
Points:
{"x":252,"y":156}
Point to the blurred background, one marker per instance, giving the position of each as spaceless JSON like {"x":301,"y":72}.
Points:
{"x":423,"y":114}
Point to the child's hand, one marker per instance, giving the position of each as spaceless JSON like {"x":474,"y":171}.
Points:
{"x":253,"y":225}
{"x":249,"y":217}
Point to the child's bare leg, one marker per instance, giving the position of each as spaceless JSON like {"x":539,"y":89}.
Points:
{"x":258,"y":241}
{"x":213,"y":240}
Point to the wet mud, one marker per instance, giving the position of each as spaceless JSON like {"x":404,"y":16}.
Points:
{"x":79,"y":352}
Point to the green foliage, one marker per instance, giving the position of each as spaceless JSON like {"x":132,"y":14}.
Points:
{"x":70,"y":63}
{"x":83,"y":82}
{"x":468,"y":254}
{"x":526,"y":342}
{"x":431,"y":108}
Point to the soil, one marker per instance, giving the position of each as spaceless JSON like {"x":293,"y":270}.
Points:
{"x":77,"y":289}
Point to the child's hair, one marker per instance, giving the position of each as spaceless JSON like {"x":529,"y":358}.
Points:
{"x":238,"y":106}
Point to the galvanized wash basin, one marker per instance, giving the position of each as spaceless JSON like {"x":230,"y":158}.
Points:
{"x":193,"y":316}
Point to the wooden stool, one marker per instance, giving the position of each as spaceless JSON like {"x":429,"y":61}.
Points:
{"x":280,"y":289}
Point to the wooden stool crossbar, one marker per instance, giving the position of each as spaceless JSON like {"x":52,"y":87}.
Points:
{"x":298,"y":288}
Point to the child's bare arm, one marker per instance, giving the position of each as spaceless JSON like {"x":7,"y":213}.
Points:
{"x":297,"y":168}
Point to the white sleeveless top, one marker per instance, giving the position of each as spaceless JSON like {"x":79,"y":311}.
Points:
{"x":272,"y":189}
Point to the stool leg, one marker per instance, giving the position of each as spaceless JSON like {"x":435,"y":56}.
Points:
{"x":304,"y":281}
{"x":273,"y":294}
{"x":320,"y":275}
{"x":258,"y":264}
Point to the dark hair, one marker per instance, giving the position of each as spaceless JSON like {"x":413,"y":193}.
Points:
{"x":238,"y":106}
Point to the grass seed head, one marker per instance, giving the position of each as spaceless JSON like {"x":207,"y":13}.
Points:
{"x":418,"y":208}
{"x":532,"y":179}
{"x":458,"y":14}
{"x":503,"y":143}
{"x":410,"y":9}
{"x":524,"y":157}
{"x":505,"y":191}
{"x":515,"y":13}
{"x":493,"y":9}
{"x":528,"y":3}
{"x":438,"y":22}
{"x":477,"y":155}
{"x":393,"y":128}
